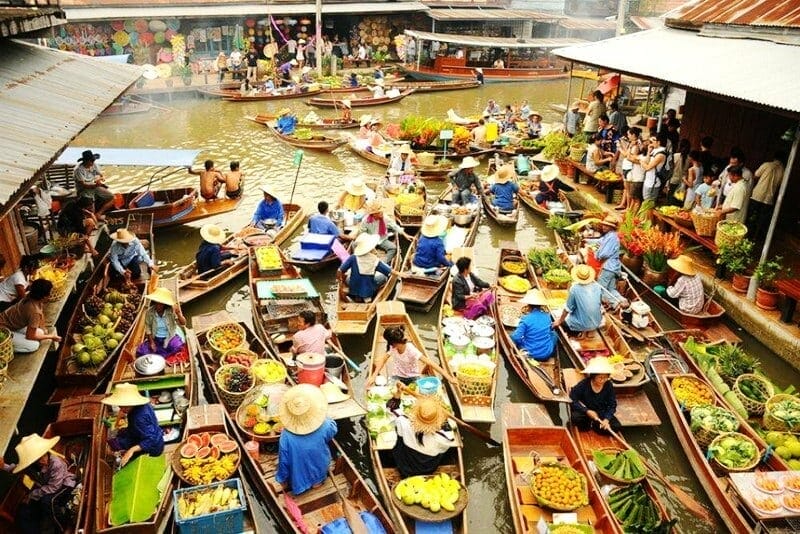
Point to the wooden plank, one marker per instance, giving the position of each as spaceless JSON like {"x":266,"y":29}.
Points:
{"x":633,"y":408}
{"x":520,"y":414}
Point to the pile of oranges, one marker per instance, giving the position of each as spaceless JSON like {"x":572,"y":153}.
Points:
{"x":559,"y":487}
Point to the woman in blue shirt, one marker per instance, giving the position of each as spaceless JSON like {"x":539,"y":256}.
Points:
{"x":143,"y":434}
{"x":534,"y":333}
{"x":430,"y":252}
{"x":269,"y":208}
{"x":162,"y":325}
{"x":504,"y":189}
{"x":210,"y":256}
{"x":367,"y":271}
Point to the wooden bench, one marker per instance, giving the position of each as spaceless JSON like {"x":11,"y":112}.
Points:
{"x":791,"y":289}
{"x":667,"y":224}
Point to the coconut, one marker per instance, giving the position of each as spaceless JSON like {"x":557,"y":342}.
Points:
{"x":98,"y":356}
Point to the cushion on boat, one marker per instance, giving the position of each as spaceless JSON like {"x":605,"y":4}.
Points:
{"x":425,"y":527}
{"x":143,"y":200}
{"x":340,"y":526}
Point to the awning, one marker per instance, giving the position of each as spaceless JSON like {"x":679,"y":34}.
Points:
{"x":571,"y":23}
{"x":48,"y":97}
{"x":77,"y":14}
{"x":132,"y":157}
{"x":493,"y":42}
{"x":770,"y":79}
{"x":492,"y":14}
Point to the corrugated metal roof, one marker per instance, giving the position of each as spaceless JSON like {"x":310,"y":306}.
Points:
{"x":770,"y":78}
{"x":777,"y":13}
{"x":47,"y":97}
{"x":491,"y":14}
{"x":496,"y":42}
{"x":647,"y":23}
{"x":572,"y":23}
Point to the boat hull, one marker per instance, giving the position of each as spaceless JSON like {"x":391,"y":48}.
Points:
{"x":490,"y":75}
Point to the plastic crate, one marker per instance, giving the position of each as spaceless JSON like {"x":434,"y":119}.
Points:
{"x":229,"y":521}
{"x":317,"y":242}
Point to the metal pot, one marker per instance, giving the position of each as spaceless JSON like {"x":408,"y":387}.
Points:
{"x":269,"y":223}
{"x":483,"y":345}
{"x":463,"y":219}
{"x":442,"y":209}
{"x":149,"y":364}
{"x":459,"y":342}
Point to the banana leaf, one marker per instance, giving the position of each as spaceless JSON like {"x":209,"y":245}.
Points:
{"x":136,"y":490}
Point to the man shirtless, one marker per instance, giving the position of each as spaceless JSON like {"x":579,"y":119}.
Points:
{"x":233,"y":181}
{"x":210,"y":180}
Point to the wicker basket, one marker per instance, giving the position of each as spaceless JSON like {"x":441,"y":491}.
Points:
{"x":545,"y":502}
{"x":241,"y":351}
{"x":232,"y":399}
{"x":610,"y":476}
{"x":6,"y":346}
{"x":705,"y":223}
{"x":723,"y":238}
{"x":773,"y":423}
{"x":682,"y":221}
{"x":748,"y":467}
{"x":753,"y":406}
{"x":58,"y":292}
{"x":697,"y":383}
{"x":3,"y":373}
{"x":215,"y":331}
{"x":705,"y":436}
{"x":475,"y":390}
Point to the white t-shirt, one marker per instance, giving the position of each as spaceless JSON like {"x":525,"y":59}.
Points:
{"x":736,"y":199}
{"x":590,"y":152}
{"x":8,"y":289}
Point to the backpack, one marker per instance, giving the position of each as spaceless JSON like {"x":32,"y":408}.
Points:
{"x":664,"y":172}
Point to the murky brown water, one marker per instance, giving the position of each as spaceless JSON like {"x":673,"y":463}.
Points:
{"x":221,"y":132}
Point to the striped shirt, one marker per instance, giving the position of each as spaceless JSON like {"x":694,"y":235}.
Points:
{"x":689,"y":292}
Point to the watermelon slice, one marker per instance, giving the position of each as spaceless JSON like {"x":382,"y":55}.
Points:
{"x":214,"y":452}
{"x":216,"y":439}
{"x":189,"y":450}
{"x":206,"y":439}
{"x":195,"y":440}
{"x":203,"y":452}
{"x":227,"y":446}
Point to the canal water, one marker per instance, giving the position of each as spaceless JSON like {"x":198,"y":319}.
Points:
{"x":220,"y":130}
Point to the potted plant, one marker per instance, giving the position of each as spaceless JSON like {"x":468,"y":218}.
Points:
{"x":767,"y":273}
{"x":657,"y":248}
{"x":185,"y":72}
{"x":556,"y":148}
{"x":737,"y":259}
{"x":650,"y":112}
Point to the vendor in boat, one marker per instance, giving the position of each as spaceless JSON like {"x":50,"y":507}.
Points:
{"x":401,"y":169}
{"x":287,"y":122}
{"x":285,"y":72}
{"x":430,"y":255}
{"x":593,"y":399}
{"x":504,"y":189}
{"x":478,"y":134}
{"x":163,"y":320}
{"x":90,"y":181}
{"x":77,"y":217}
{"x":142,"y":435}
{"x":26,"y":319}
{"x":347,"y":112}
{"x":352,"y":80}
{"x":126,"y":255}
{"x":377,"y":89}
{"x":374,"y":138}
{"x":304,"y":454}
{"x":13,"y":287}
{"x":463,"y":179}
{"x":310,"y":336}
{"x":479,"y":75}
{"x":376,"y":223}
{"x":407,"y":360}
{"x":472,"y":297}
{"x":364,"y":123}
{"x":687,"y":290}
{"x":306,"y":76}
{"x":320,"y":223}
{"x":354,"y":196}
{"x":608,"y":252}
{"x":210,"y":256}
{"x":46,"y":507}
{"x":492,"y":108}
{"x":366,"y":271}
{"x":549,"y":186}
{"x":423,"y":437}
{"x":211,"y":180}
{"x":583,"y":311}
{"x":534,"y":333}
{"x":268,"y":211}
{"x":534,"y":125}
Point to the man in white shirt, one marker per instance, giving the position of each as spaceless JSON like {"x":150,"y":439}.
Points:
{"x":733,"y":206}
{"x":768,"y":180}
{"x":736,"y":160}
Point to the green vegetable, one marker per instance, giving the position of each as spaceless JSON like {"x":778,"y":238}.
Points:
{"x":787,"y":411}
{"x":732,"y":361}
{"x":734,"y":451}
{"x":136,"y":490}
{"x":713,"y":418}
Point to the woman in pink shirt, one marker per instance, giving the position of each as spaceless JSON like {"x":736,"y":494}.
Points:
{"x":406,"y":359}
{"x":311,"y":337}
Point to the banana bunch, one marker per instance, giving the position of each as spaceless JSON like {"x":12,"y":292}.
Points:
{"x":439,"y":492}
{"x":209,"y":469}
{"x":606,"y":176}
{"x":207,"y":501}
{"x":53,"y":274}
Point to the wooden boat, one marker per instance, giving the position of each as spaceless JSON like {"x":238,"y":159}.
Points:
{"x":392,"y":314}
{"x":344,"y":90}
{"x":315,"y":265}
{"x":419,"y":291}
{"x":528,"y":435}
{"x":316,"y":142}
{"x":499,"y":217}
{"x":169,"y":207}
{"x":319,"y":505}
{"x":322,"y":102}
{"x":528,"y":198}
{"x":427,"y":172}
{"x":77,"y":421}
{"x":540,"y":378}
{"x":192,"y":285}
{"x":126,"y":108}
{"x":72,"y":379}
{"x":434,"y":86}
{"x":177,"y":376}
{"x":410,"y":222}
{"x":326,"y":124}
{"x":235,"y":95}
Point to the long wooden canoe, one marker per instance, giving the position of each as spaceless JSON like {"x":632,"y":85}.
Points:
{"x":410,"y":222}
{"x":539,"y":377}
{"x":126,"y":108}
{"x":392,"y":314}
{"x":192,"y":285}
{"x":499,"y":217}
{"x":315,"y":265}
{"x":528,"y":198}
{"x":316,"y":142}
{"x":169,"y":207}
{"x":323,"y":102}
{"x":326,"y":124}
{"x":433,"y":86}
{"x":234,"y":95}
{"x":428,"y":172}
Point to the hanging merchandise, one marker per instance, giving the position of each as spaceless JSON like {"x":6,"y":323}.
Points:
{"x":250,"y":23}
{"x":199,"y":35}
{"x":225,"y":30}
{"x":134,"y":37}
{"x":238,"y":37}
{"x":157,"y":26}
{"x":141,"y":26}
{"x":174,"y":24}
{"x":121,"y":38}
{"x":158,"y":37}
{"x":169,"y":34}
{"x":146,"y":38}
{"x":118,"y":25}
{"x":214,"y":34}
{"x":130,"y":25}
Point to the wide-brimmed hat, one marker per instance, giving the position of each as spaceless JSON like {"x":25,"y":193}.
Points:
{"x":611,"y":221}
{"x":162,"y":295}
{"x":575,"y":105}
{"x":212,"y":234}
{"x":301,"y":41}
{"x":267,"y":190}
{"x":433,"y":226}
{"x":405,"y":149}
{"x":536,"y":114}
{"x":379,"y":81}
{"x":284,"y":111}
{"x":126,"y":394}
{"x":346,"y":103}
{"x":88,"y":155}
{"x":306,"y":69}
{"x":355,"y":187}
{"x":375,"y":120}
{"x":303,"y":409}
{"x":332,"y":393}
{"x":373,"y":206}
{"x":504,"y":174}
{"x":582,"y":274}
{"x":364,"y":120}
{"x":683,"y":264}
{"x":31,"y":448}
{"x":293,"y":62}
{"x":549,"y":173}
{"x":365,"y":243}
{"x":468,"y":163}
{"x":598,"y":365}
{"x":123,"y":235}
{"x":427,"y":415}
{"x":534,"y":297}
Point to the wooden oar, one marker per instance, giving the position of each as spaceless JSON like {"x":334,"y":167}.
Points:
{"x":351,"y":515}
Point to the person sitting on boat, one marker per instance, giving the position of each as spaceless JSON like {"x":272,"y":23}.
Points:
{"x":352,"y":80}
{"x":287,"y":122}
{"x":401,"y":169}
{"x":374,"y":138}
{"x":12,"y":288}
{"x":233,"y":181}
{"x":306,"y":76}
{"x":499,"y":64}
{"x":347,"y":112}
{"x":492,"y":108}
{"x":354,"y":196}
{"x":142,"y":435}
{"x":245,"y":89}
{"x":304,"y":455}
{"x":479,"y":75}
{"x":364,"y":130}
{"x":378,"y":73}
{"x":582,"y":311}
{"x":509,"y":118}
{"x":377,"y":89}
{"x":430,"y":255}
{"x":90,"y":181}
{"x":126,"y":255}
{"x":463,"y":179}
{"x":77,"y":217}
{"x":26,"y":318}
{"x":285,"y":72}
{"x":211,"y":256}
{"x":407,"y":360}
{"x":423,"y":437}
{"x":376,"y":224}
{"x":163,"y":320}
{"x":504,"y":189}
{"x":549,"y":185}
{"x":52,"y":489}
{"x":269,"y":85}
{"x":687,"y":291}
{"x":478,"y":134}
{"x":268,"y":211}
{"x":366,"y":271}
{"x":534,"y":125}
{"x":320,"y":223}
{"x":211,"y":180}
{"x":608,"y":252}
{"x":310,"y":336}
{"x":593,"y":399}
{"x":472,"y":297}
{"x":534,"y":333}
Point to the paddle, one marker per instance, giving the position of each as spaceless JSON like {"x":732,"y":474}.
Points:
{"x":351,"y":515}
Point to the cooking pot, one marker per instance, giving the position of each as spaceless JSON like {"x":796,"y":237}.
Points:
{"x":482,"y":330}
{"x":459,"y":342}
{"x":442,"y":209}
{"x":483,"y":345}
{"x":463,"y":219}
{"x":269,"y":223}
{"x":149,"y":364}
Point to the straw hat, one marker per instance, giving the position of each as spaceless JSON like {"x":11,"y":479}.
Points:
{"x":365,"y":243}
{"x":31,"y":448}
{"x":683,"y":264}
{"x":468,"y":163}
{"x":536,"y":114}
{"x":379,"y":82}
{"x":598,"y":366}
{"x":212,"y":234}
{"x":301,"y":41}
{"x":427,"y":415}
{"x":373,"y":206}
{"x":346,"y":103}
{"x":575,"y":105}
{"x":405,"y":149}
{"x":293,"y":62}
{"x":504,"y":174}
{"x":433,"y":226}
{"x":375,"y":120}
{"x":364,"y":120}
{"x":284,"y":111}
{"x":303,"y":409}
{"x":126,"y":394}
{"x":123,"y":236}
{"x":306,"y":69}
{"x":534,"y":297}
{"x":550,"y":173}
{"x":332,"y":393}
{"x":610,"y":220}
{"x":162,"y":295}
{"x":267,"y":191}
{"x":582,"y":274}
{"x":355,"y":187}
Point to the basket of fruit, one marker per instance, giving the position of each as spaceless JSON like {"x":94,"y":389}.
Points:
{"x":268,"y":259}
{"x":622,"y":466}
{"x":434,"y":498}
{"x":557,"y":278}
{"x":733,"y":451}
{"x":268,"y":371}
{"x":729,"y":233}
{"x":754,"y":392}
{"x":515,"y":284}
{"x":240,"y":355}
{"x":217,"y":507}
{"x":257,"y":417}
{"x":705,"y":222}
{"x":224,"y":337}
{"x":514,"y":266}
{"x":559,"y":487}
{"x":475,"y":383}
{"x":234,"y":382}
{"x":782,"y":413}
{"x":206,"y":457}
{"x":683,"y":218}
{"x":708,"y":422}
{"x":691,"y":391}
{"x":58,"y":277}
{"x":6,"y":345}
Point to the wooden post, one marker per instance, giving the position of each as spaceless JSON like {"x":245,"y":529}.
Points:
{"x":569,"y":88}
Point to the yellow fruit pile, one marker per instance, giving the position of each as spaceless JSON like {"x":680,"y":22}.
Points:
{"x":559,"y":487}
{"x":515,"y":284}
{"x":55,"y":275}
{"x":268,"y":371}
{"x":439,"y":492}
{"x":209,"y":469}
{"x":207,"y":501}
{"x":691,"y":392}
{"x":606,"y":176}
{"x":474,"y":369}
{"x":268,"y":258}
{"x":405,"y":209}
{"x":410,"y":199}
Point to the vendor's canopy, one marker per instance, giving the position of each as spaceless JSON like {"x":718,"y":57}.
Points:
{"x":492,"y":42}
{"x":132,"y":157}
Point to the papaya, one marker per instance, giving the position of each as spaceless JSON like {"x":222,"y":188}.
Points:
{"x":189,"y":450}
{"x":215,"y":452}
{"x":218,"y":438}
{"x":195,"y":440}
{"x":227,"y":446}
{"x":203,"y":452}
{"x":206,"y":439}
